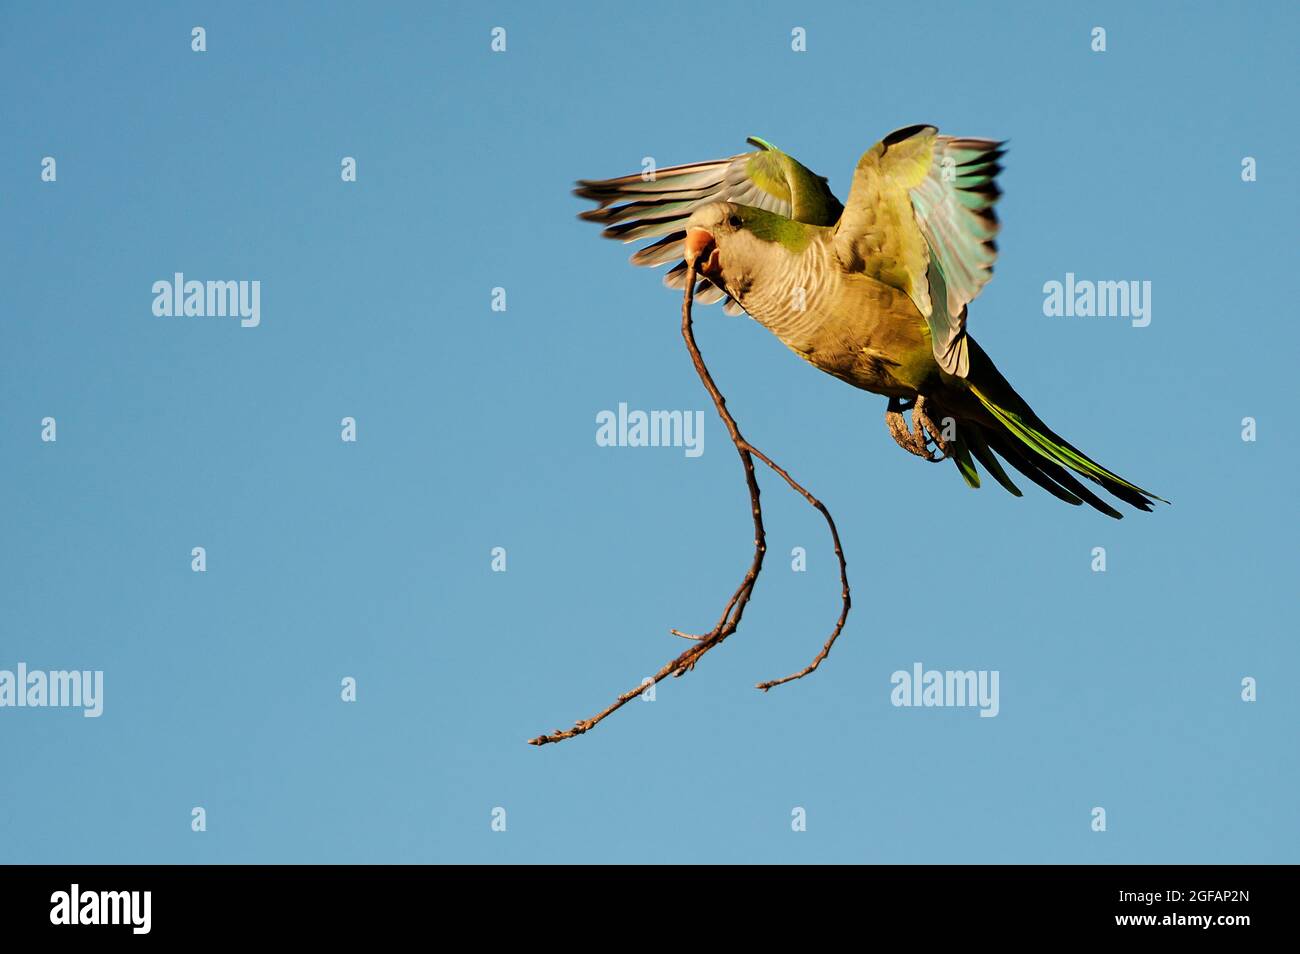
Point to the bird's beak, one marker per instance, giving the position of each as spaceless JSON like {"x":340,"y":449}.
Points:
{"x":702,"y":251}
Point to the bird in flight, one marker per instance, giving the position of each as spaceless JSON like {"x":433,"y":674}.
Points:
{"x":874,"y":292}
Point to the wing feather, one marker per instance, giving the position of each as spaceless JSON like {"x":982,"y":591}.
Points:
{"x":655,"y":205}
{"x":921,"y":218}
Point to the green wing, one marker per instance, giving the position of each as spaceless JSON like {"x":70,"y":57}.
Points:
{"x":656,"y":205}
{"x":920,"y":218}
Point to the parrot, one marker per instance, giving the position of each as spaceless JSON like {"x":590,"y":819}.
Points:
{"x":874,"y":291}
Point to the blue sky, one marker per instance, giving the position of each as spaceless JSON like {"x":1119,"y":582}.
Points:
{"x":476,"y":429}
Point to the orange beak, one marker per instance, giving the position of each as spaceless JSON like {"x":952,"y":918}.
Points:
{"x":702,"y":251}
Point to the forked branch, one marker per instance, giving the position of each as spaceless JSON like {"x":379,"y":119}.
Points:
{"x":735,"y":608}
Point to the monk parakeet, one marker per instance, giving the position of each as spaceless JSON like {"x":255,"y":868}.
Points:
{"x":874,"y":292}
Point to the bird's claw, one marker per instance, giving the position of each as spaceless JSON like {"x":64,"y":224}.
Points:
{"x":916,"y":441}
{"x":922,"y":422}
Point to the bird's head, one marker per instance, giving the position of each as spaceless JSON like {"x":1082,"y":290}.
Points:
{"x":709,"y":230}
{"x":730,"y":244}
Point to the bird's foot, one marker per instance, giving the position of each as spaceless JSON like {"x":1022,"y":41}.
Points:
{"x":921,"y":423}
{"x":916,"y":441}
{"x":897,"y":425}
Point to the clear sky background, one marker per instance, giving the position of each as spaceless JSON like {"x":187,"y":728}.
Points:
{"x":476,"y":429}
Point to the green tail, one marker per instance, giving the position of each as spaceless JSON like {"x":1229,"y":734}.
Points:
{"x":1032,"y":448}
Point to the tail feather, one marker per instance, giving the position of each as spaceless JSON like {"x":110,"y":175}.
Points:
{"x":1014,"y":456}
{"x":1036,"y":435}
{"x":980,"y":448}
{"x":1041,"y":471}
{"x":1021,"y":439}
{"x":965,"y":466}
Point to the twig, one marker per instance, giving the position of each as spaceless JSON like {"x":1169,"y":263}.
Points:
{"x":735,"y":608}
{"x":846,"y":600}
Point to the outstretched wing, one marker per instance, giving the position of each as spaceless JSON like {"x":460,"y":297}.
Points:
{"x":656,"y":204}
{"x":920,"y":218}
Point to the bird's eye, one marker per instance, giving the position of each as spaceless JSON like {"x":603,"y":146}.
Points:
{"x":734,"y":221}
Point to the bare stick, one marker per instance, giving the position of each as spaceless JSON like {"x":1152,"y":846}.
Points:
{"x":735,"y":608}
{"x":845,"y":599}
